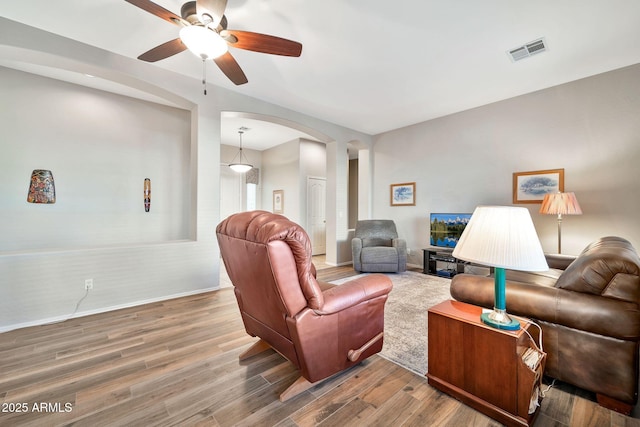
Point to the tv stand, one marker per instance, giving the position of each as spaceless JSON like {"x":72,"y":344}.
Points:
{"x":433,"y":254}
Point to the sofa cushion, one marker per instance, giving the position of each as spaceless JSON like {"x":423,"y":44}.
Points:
{"x":543,"y":278}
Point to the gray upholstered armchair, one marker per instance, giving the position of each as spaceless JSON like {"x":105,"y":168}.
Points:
{"x":377,"y":248}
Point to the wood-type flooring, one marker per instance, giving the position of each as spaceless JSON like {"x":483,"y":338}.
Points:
{"x":175,"y":362}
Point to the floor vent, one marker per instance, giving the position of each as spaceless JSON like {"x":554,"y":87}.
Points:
{"x":529,"y":49}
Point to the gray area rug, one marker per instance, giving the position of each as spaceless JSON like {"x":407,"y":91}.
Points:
{"x":405,"y":317}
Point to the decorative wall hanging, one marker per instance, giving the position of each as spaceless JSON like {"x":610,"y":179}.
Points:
{"x":42,"y":189}
{"x":531,"y":187}
{"x":278,"y":201}
{"x":403,"y":194}
{"x":147,"y":194}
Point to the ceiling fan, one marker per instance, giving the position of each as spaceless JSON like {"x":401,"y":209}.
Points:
{"x":204,"y":32}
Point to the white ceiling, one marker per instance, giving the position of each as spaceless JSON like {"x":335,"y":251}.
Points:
{"x":260,"y":134}
{"x":374,"y":65}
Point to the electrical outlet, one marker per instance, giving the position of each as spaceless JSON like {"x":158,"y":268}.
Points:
{"x":408,"y":251}
{"x":88,"y":284}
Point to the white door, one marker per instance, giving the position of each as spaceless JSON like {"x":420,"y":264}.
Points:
{"x":316,"y":216}
{"x":230,"y":192}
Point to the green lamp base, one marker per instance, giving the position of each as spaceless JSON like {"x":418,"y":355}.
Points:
{"x":500,"y":321}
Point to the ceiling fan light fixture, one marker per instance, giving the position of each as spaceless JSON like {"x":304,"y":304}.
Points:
{"x":203,"y":42}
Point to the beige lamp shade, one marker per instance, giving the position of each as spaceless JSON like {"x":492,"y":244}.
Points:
{"x":560,"y":204}
{"x":503,"y":237}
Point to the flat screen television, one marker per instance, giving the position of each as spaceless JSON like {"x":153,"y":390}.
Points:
{"x":446,"y":228}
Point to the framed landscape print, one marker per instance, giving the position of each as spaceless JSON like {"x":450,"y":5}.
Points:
{"x":278,"y":201}
{"x":531,"y":187}
{"x":403,"y":194}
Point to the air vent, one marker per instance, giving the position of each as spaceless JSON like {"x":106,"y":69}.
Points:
{"x":529,"y":49}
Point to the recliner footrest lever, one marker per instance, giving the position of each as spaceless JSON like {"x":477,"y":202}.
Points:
{"x":354,"y":355}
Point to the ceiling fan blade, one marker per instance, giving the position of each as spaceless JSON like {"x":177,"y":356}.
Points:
{"x":231,"y":69}
{"x":264,"y":43}
{"x":213,"y":8}
{"x":163,"y":51}
{"x":159,"y":11}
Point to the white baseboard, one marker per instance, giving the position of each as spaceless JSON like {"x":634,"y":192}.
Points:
{"x":58,"y":319}
{"x":339,"y":264}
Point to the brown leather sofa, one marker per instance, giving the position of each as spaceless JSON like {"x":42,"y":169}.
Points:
{"x":321,"y":328}
{"x":588,"y":309}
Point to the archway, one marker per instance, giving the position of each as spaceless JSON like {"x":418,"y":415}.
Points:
{"x":284,"y":155}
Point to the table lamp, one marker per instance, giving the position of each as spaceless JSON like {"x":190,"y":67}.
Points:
{"x":560,"y":204}
{"x":502,"y":237}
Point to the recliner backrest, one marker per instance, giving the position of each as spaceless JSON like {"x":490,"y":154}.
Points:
{"x":376,"y":232}
{"x":280,"y":281}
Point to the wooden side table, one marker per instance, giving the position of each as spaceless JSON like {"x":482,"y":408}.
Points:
{"x":482,"y":366}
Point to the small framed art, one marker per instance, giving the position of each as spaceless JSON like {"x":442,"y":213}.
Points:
{"x":403,"y":194}
{"x":530,"y":187}
{"x":278,"y":201}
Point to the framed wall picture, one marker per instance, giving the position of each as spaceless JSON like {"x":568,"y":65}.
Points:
{"x":403,"y":194}
{"x":530,"y":187}
{"x":278,"y":201}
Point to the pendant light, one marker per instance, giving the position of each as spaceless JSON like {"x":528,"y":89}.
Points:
{"x":241,"y":166}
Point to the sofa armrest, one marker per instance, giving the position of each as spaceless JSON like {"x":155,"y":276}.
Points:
{"x":582,"y":311}
{"x":559,"y":261}
{"x":354,"y":292}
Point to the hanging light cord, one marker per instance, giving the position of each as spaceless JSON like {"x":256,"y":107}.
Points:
{"x":204,"y":74}
{"x":239,"y":151}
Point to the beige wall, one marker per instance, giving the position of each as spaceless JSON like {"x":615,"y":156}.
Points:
{"x":588,"y":127}
{"x":99,"y":168}
{"x":286,"y":167}
{"x":45,"y":285}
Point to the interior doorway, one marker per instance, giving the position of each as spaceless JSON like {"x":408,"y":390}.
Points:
{"x":316,"y":214}
{"x":230,"y":192}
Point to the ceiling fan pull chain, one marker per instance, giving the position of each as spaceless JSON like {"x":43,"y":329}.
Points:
{"x":204,"y":74}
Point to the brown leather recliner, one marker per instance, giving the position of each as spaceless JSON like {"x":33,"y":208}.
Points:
{"x":321,"y":328}
{"x":589,"y":314}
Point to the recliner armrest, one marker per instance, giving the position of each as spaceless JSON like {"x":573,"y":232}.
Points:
{"x":400,"y":244}
{"x":354,"y":292}
{"x":356,"y":251}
